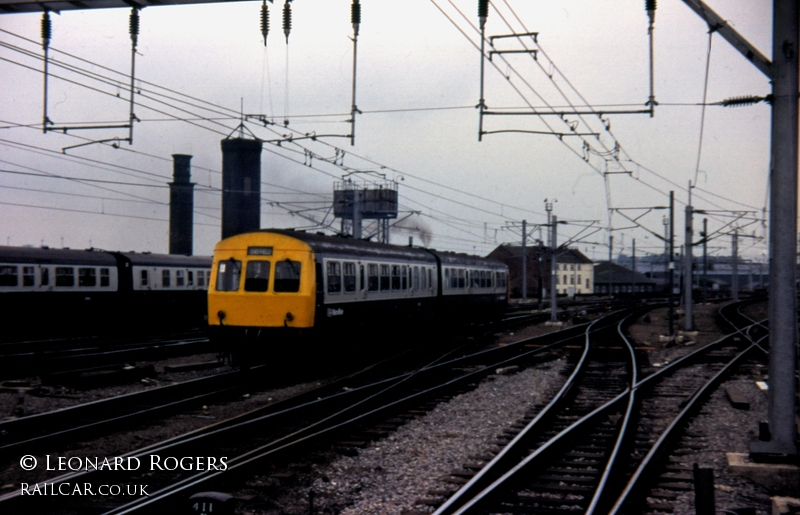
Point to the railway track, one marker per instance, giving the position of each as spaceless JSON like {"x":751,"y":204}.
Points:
{"x":53,"y":356}
{"x":604,"y":448}
{"x":285,"y":429}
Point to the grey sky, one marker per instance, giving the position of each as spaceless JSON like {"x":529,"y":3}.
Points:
{"x":411,"y":57}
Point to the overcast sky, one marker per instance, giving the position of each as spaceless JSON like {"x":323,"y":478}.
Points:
{"x":418,"y":84}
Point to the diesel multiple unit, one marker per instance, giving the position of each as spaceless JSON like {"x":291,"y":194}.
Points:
{"x":271,"y":285}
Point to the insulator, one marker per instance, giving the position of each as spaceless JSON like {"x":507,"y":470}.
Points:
{"x":264,"y":21}
{"x":483,"y":9}
{"x":742,"y":101}
{"x":649,"y":5}
{"x":47,"y":28}
{"x":355,"y":13}
{"x":134,"y":24}
{"x":287,"y":19}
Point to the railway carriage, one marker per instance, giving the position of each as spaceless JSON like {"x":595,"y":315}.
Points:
{"x":274,"y":288}
{"x":62,"y":292}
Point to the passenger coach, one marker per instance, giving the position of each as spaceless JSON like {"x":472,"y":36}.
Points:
{"x":272,"y":286}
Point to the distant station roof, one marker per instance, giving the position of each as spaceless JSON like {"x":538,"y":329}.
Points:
{"x":37,"y":6}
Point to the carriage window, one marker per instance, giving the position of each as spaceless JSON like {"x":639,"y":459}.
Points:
{"x":334,"y":277}
{"x":201,"y":278}
{"x":65,"y":276}
{"x":461,"y":279}
{"x":372,"y":274}
{"x":45,"y":276}
{"x":430,"y":278}
{"x":190,"y":278}
{"x":179,"y":278}
{"x":28,"y":276}
{"x":287,"y":276}
{"x":256,"y":277}
{"x":404,"y":276}
{"x":416,"y":278}
{"x":395,"y":277}
{"x":228,"y":275}
{"x":87,"y":277}
{"x":144,"y":278}
{"x":422,"y":284}
{"x":8,"y":275}
{"x":165,"y":278}
{"x":384,"y":277}
{"x":349,"y":277}
{"x":105,"y":279}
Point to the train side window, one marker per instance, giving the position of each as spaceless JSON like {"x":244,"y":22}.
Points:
{"x":44,"y":276}
{"x":165,"y":278}
{"x":422,"y":284}
{"x":65,"y":276}
{"x":395,"y":277}
{"x":190,"y":278}
{"x":287,"y":276}
{"x":201,"y":278}
{"x":462,"y":278}
{"x":28,"y":276}
{"x":361,"y":277}
{"x":430,"y":278}
{"x":228,"y":275}
{"x":105,"y":278}
{"x":416,"y":278}
{"x":87,"y":277}
{"x":404,"y":277}
{"x":256,"y":276}
{"x":349,"y":277}
{"x":334,"y":277}
{"x":8,"y":275}
{"x":372,"y":277}
{"x":180,"y":280}
{"x":385,"y":278}
{"x":143,"y":278}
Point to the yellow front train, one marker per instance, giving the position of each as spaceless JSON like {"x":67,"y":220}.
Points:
{"x":261,"y":280}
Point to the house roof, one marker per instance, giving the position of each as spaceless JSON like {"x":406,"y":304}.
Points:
{"x":618,"y":274}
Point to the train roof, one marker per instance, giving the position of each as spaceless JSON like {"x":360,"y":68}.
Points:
{"x":172,"y":260}
{"x":45,"y":255}
{"x":326,"y":244}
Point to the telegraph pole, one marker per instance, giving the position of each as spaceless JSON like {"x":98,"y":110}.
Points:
{"x":687,"y":266}
{"x":735,"y":266}
{"x":610,"y":271}
{"x":524,"y":261}
{"x":671,"y":262}
{"x":634,"y":267}
{"x":705,"y":260}
{"x":553,"y":269}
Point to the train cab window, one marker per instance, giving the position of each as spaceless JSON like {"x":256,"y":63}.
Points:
{"x":334,"y":277}
{"x":44,"y":276}
{"x":404,"y":277}
{"x":180,"y":280}
{"x":105,"y":278}
{"x":349,"y":277}
{"x":228,"y":275}
{"x":372,"y":277}
{"x":28,"y":276}
{"x":287,"y":276}
{"x":385,"y":278}
{"x":165,"y":278}
{"x":190,"y":278}
{"x":256,"y":276}
{"x":65,"y":276}
{"x":395,"y":277}
{"x":8,"y":275}
{"x":416,"y":278}
{"x":144,"y":278}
